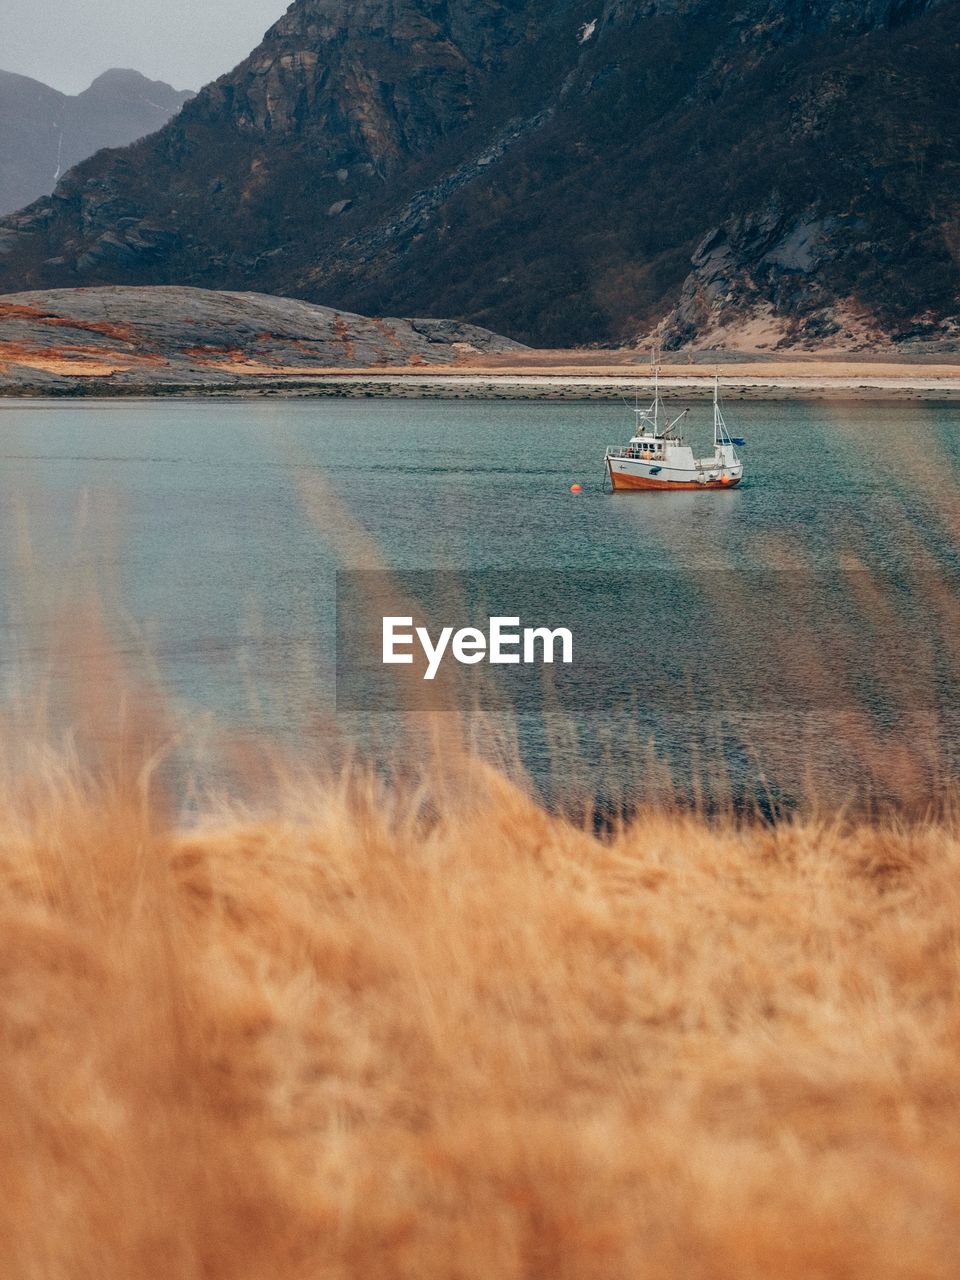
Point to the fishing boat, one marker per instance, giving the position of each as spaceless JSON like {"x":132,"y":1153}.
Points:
{"x":657,"y":458}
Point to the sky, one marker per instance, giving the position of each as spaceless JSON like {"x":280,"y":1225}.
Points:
{"x":68,"y":43}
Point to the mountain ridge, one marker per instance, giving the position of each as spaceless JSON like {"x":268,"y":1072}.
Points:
{"x":46,"y":132}
{"x":786,"y":170}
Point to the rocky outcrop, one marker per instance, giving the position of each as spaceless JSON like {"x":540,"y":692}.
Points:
{"x":567,"y":171}
{"x":762,"y":273}
{"x":46,"y":132}
{"x":177,"y":337}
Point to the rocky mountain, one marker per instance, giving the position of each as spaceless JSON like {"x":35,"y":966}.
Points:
{"x":43,"y":132}
{"x":752,"y":172}
{"x":150,"y":338}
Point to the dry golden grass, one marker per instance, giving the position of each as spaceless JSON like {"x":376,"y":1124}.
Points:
{"x":430,"y":1031}
{"x":416,"y":1036}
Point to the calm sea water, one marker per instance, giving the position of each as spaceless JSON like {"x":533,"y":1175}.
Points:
{"x":190,"y":518}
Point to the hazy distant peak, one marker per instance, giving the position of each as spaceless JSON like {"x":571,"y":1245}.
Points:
{"x":13,"y":76}
{"x":46,"y":132}
{"x":124,"y":80}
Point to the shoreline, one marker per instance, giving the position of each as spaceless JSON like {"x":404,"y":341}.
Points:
{"x":530,"y":375}
{"x":360,"y":384}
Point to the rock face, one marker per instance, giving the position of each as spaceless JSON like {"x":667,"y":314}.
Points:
{"x":44,"y":132}
{"x":567,"y":171}
{"x":170,"y":336}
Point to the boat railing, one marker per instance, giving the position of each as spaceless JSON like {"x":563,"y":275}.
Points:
{"x":626,"y":451}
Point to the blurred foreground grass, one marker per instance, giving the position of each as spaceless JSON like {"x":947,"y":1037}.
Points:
{"x":442,"y":1033}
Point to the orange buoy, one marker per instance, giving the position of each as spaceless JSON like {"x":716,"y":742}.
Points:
{"x":576,"y":488}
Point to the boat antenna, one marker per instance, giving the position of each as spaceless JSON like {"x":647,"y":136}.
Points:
{"x":721,"y":434}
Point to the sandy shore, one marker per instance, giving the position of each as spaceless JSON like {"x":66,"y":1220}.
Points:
{"x":532,"y":375}
{"x":776,"y":381}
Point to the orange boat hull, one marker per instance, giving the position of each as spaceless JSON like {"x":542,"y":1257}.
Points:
{"x":623,"y":482}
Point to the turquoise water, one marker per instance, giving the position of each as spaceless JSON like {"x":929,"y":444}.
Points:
{"x":190,"y":517}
